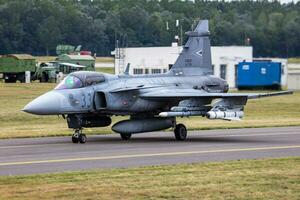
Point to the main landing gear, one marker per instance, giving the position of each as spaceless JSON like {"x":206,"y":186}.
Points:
{"x":79,"y":137}
{"x":180,"y":132}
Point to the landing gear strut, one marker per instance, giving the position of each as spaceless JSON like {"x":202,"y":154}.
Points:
{"x":78,"y":136}
{"x":180,"y":132}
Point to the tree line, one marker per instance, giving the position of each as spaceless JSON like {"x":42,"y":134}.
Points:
{"x":37,"y":26}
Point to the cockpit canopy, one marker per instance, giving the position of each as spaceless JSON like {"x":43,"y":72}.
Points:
{"x":80,"y":79}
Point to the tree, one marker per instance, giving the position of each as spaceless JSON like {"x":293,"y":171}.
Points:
{"x":37,"y":26}
{"x":49,"y":34}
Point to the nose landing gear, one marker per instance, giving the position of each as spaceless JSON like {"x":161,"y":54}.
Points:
{"x":79,"y":137}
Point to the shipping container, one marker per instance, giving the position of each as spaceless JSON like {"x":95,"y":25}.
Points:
{"x":259,"y":74}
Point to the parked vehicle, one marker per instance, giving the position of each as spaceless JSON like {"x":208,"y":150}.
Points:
{"x":14,"y":66}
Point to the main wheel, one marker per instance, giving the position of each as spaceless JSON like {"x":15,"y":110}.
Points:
{"x":82,"y":138}
{"x":10,"y":79}
{"x":125,"y":136}
{"x":180,"y":132}
{"x":75,"y":139}
{"x":21,"y":78}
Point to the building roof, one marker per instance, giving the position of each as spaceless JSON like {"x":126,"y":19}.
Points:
{"x":75,"y":57}
{"x":21,"y":56}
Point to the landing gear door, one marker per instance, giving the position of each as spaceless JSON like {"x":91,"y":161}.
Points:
{"x":100,"y":101}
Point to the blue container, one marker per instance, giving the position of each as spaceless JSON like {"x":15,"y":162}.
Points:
{"x":259,"y":74}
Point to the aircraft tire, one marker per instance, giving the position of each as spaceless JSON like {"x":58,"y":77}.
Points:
{"x":125,"y":136}
{"x":82,"y":138}
{"x":75,"y":139}
{"x":180,"y":132}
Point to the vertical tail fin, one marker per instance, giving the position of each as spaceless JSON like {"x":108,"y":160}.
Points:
{"x":195,"y":58}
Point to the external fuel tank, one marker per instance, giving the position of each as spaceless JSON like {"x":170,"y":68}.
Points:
{"x":143,"y":125}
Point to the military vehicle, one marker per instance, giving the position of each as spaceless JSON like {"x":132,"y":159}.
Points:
{"x":84,"y":60}
{"x":71,"y":50}
{"x":14,"y":66}
{"x":67,"y":49}
{"x":65,"y":64}
{"x":90,"y":99}
{"x":49,"y":72}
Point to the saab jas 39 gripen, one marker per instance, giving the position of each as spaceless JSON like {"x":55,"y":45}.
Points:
{"x":90,"y":99}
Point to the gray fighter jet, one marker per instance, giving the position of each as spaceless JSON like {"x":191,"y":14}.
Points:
{"x":90,"y":99}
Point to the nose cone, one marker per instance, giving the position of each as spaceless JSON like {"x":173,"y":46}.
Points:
{"x":47,"y":104}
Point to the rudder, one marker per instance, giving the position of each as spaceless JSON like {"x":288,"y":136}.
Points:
{"x":195,"y":58}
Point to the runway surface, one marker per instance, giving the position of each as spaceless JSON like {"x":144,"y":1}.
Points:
{"x":57,"y":154}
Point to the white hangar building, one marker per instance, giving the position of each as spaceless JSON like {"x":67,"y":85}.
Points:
{"x":293,"y":77}
{"x":156,"y":60}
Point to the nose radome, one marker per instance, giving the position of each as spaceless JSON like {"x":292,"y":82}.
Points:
{"x":47,"y":104}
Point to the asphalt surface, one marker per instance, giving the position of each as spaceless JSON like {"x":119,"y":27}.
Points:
{"x":57,"y":154}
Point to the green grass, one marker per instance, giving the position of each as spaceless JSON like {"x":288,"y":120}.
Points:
{"x":105,"y":59}
{"x":109,"y":70}
{"x":274,"y":111}
{"x":294,"y":60}
{"x":266,"y":112}
{"x":246,"y":179}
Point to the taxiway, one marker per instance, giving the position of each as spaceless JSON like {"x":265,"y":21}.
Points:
{"x":57,"y":154}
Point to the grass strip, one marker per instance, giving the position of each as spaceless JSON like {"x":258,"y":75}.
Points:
{"x":244,"y":179}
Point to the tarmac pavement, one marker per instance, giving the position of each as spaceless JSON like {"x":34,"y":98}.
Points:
{"x":58,"y":154}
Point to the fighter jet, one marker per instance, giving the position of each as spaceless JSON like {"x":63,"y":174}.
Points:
{"x":189,"y":88}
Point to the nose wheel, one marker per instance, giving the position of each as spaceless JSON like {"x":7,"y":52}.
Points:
{"x":180,"y":132}
{"x":79,"y":137}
